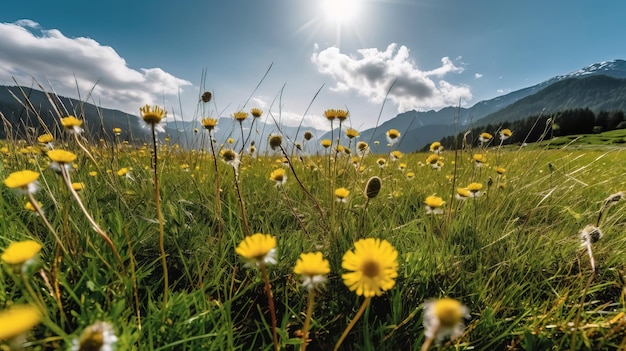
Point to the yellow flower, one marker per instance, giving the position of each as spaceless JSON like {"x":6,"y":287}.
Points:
{"x":396,"y":155}
{"x":381,"y":162}
{"x":77,"y":186}
{"x":362,"y":148}
{"x":209,"y":123}
{"x":505,"y":134}
{"x":330,"y":114}
{"x":392,"y":136}
{"x":410,"y":175}
{"x":373,"y":267}
{"x":258,"y":248}
{"x":352,"y":133}
{"x":313,"y":269}
{"x":341,"y":194}
{"x":462,"y":193}
{"x":29,"y":206}
{"x":122,"y":171}
{"x":433,"y":204}
{"x":485,"y":137}
{"x":61,"y":156}
{"x":402,"y":167}
{"x":256,"y":112}
{"x":230,"y":157}
{"x":18,"y":320}
{"x":72,"y":124}
{"x":93,"y":173}
{"x":341,"y":115}
{"x":279,"y":176}
{"x":117,"y":131}
{"x":444,"y":318}
{"x":326,"y":143}
{"x":432,"y":159}
{"x":152,"y":115}
{"x":474,"y":189}
{"x":45,"y":138}
{"x":499,"y":170}
{"x":240,"y":115}
{"x":436,"y":147}
{"x":20,"y":252}
{"x":23,"y":181}
{"x":479,"y":159}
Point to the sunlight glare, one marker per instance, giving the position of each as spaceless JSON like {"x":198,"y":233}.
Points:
{"x":340,"y":11}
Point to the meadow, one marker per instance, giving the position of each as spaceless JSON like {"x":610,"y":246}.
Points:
{"x":490,"y":247}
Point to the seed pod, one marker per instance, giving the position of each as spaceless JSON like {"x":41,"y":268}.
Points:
{"x":373,"y":187}
{"x":206,"y":97}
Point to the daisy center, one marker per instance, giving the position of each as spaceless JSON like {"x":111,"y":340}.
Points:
{"x":371,"y":269}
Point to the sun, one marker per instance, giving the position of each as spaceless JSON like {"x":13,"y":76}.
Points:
{"x":341,"y":11}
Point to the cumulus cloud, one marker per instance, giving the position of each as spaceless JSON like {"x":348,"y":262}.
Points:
{"x":477,"y":75}
{"x":372,"y":72}
{"x":27,"y":51}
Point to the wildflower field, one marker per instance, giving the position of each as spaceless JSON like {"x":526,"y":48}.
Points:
{"x":308,"y":244}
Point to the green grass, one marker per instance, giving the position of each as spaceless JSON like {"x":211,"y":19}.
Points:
{"x":512,"y":256}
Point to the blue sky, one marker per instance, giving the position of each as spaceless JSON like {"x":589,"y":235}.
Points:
{"x":438,"y":52}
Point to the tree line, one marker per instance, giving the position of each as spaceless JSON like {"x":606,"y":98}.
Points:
{"x":542,"y":126}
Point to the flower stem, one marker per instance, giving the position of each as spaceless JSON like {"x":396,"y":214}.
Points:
{"x":157,"y":199}
{"x":37,"y":208}
{"x":270,"y":301}
{"x":307,"y":320}
{"x":358,"y":315}
{"x":429,"y":340}
{"x":96,"y":227}
{"x":218,"y":197}
{"x":242,"y":207}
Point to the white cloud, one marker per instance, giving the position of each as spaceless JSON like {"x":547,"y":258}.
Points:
{"x":27,"y":51}
{"x":477,"y":75}
{"x":372,"y":73}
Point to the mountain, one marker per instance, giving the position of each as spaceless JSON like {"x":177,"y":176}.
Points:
{"x":579,"y":89}
{"x":101,"y":121}
{"x":595,"y":92}
{"x":597,"y":86}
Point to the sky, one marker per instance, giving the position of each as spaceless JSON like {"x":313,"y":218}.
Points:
{"x":296,"y":58}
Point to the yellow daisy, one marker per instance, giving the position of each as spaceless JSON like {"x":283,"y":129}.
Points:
{"x":444,"y":318}
{"x":72,"y":124}
{"x":20,"y":252}
{"x":23,"y":181}
{"x":279,"y":176}
{"x":209,"y":123}
{"x":152,"y":115}
{"x":433,"y":204}
{"x":373,"y":267}
{"x":341,"y":194}
{"x":18,"y":320}
{"x":258,"y":248}
{"x":313,"y":268}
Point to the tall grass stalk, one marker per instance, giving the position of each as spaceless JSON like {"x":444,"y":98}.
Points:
{"x":157,"y":200}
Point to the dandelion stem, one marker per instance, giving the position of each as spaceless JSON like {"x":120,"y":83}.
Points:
{"x":96,"y":227}
{"x":157,"y":199}
{"x":429,"y":340}
{"x":306,"y":191}
{"x":358,"y":315}
{"x":307,"y":320}
{"x":270,"y":301}
{"x":218,"y":197}
{"x":242,"y":207}
{"x":37,"y":208}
